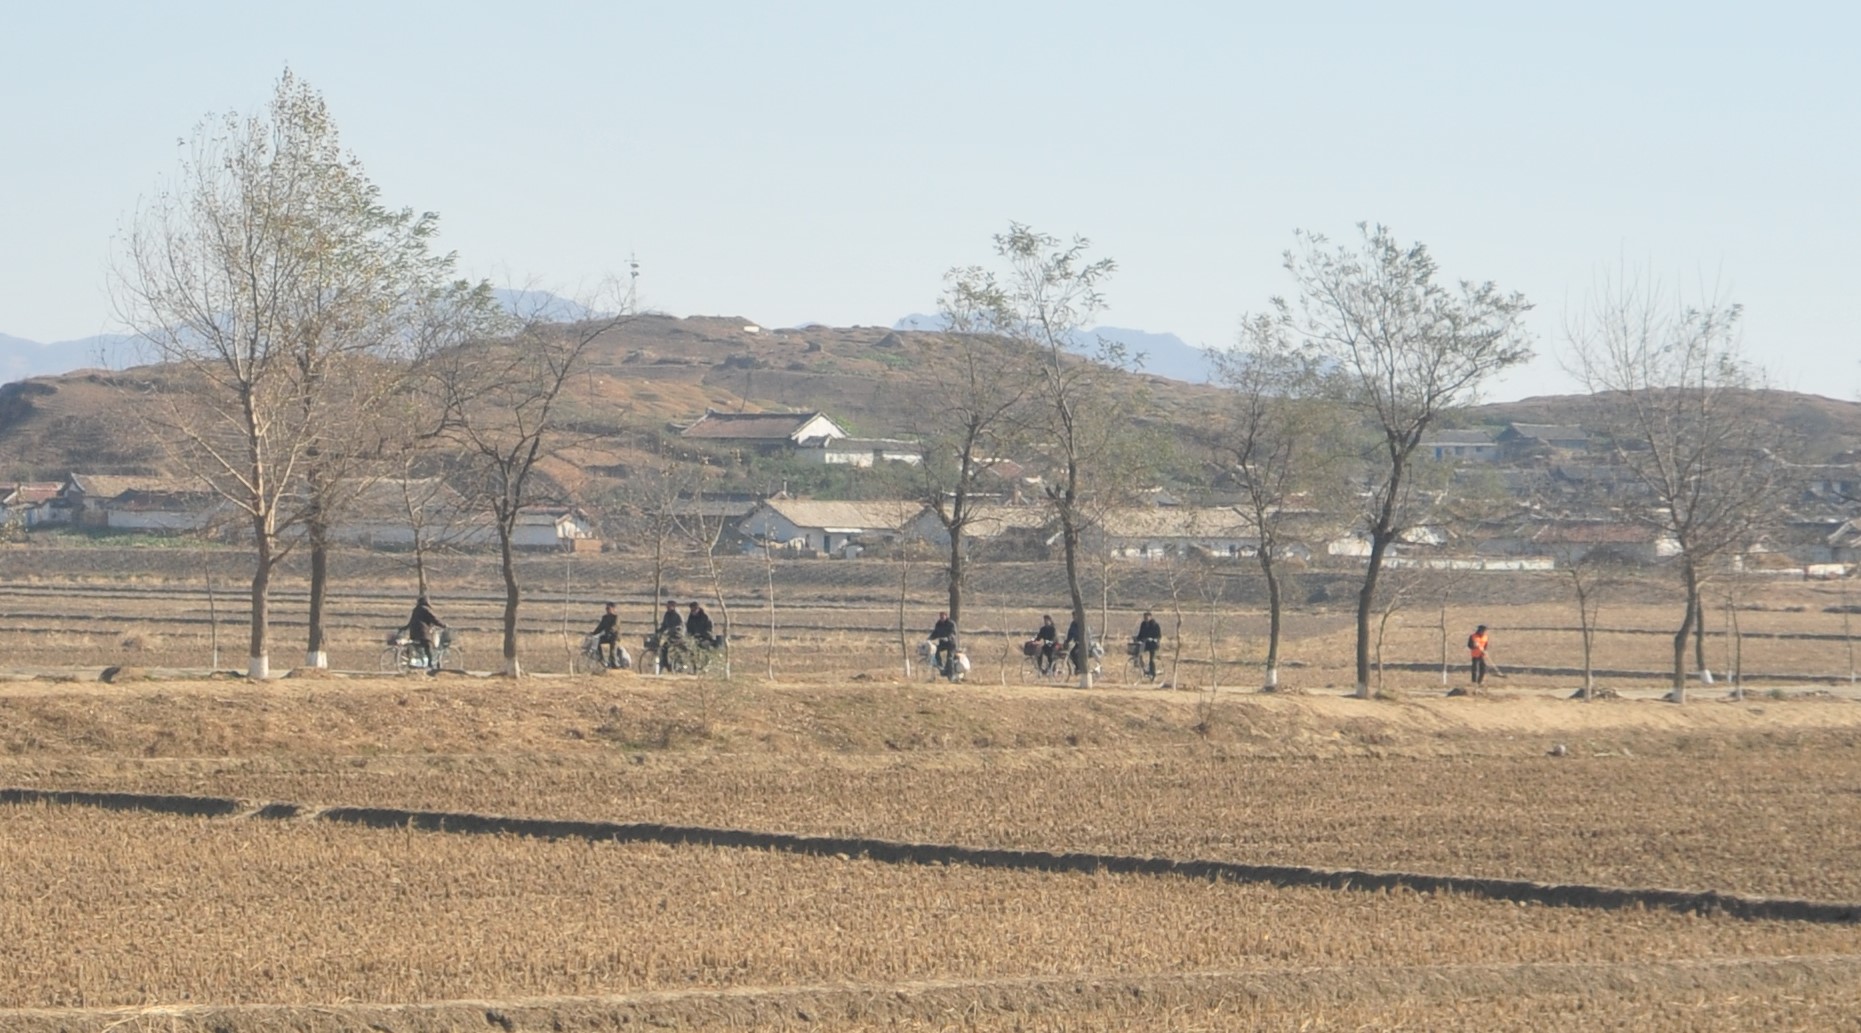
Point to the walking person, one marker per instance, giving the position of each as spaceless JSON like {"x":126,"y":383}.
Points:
{"x":1149,"y":637}
{"x":608,"y":641}
{"x":1476,"y":650}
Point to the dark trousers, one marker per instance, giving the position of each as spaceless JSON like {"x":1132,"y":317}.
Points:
{"x":1150,"y":657}
{"x":946,"y":655}
{"x":1479,"y":669}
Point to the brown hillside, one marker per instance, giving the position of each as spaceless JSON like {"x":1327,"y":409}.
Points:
{"x":656,"y":372}
{"x":1827,"y":426}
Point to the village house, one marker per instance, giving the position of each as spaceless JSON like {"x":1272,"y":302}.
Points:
{"x":989,"y":521}
{"x":1845,"y":542}
{"x":861,"y":452}
{"x":1530,"y":440}
{"x":829,"y":528}
{"x":766,"y":432}
{"x":130,"y":503}
{"x":1577,"y":541}
{"x":387,"y":513}
{"x":1463,"y":445}
{"x":24,"y":501}
{"x":564,"y":528}
{"x":1158,"y":532}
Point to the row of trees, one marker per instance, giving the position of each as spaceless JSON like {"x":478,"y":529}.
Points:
{"x":312,"y":337}
{"x":1331,"y":390}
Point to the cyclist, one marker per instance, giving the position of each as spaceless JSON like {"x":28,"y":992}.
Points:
{"x":1046,"y":637}
{"x":698,"y":627}
{"x":423,"y":631}
{"x":1149,"y":636}
{"x":1075,"y":646}
{"x":608,"y":643}
{"x":671,"y":627}
{"x":944,"y":634}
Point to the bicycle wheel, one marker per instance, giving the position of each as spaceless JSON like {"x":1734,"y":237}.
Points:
{"x":453,"y":659}
{"x":393,"y":660}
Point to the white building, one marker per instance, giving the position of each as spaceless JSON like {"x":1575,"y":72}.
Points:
{"x":862,"y":452}
{"x":830,"y":527}
{"x":567,"y":528}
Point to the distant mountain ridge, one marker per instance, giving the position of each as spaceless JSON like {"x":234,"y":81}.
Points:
{"x":1165,"y":354}
{"x":21,"y":357}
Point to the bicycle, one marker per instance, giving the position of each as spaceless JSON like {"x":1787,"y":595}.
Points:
{"x":1035,"y":666}
{"x":1071,"y":659}
{"x":592,"y":655}
{"x":1138,"y":666}
{"x":683,"y":655}
{"x":959,"y":662}
{"x":400,"y":655}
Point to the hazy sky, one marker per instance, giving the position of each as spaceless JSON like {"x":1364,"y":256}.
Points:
{"x":798,"y":161}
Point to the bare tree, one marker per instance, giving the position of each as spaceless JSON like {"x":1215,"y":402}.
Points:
{"x":1042,"y":302}
{"x":1403,"y":350}
{"x":274,"y":286}
{"x":657,"y":499}
{"x":704,"y":532}
{"x":502,"y":403}
{"x":968,"y":413}
{"x":1681,"y":408}
{"x":1591,"y":578}
{"x":1279,"y":439}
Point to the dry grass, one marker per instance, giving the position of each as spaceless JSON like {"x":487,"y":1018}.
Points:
{"x":1713,"y":796}
{"x":250,"y":912}
{"x":308,"y":922}
{"x":837,"y":620}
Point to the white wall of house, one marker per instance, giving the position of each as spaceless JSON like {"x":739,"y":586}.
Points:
{"x":765,"y":524}
{"x":46,"y":513}
{"x":817,"y":427}
{"x":1481,"y":453}
{"x":550,"y":533}
{"x":837,"y":457}
{"x":768,"y":525}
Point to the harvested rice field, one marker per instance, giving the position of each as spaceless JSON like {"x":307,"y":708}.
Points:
{"x":118,"y":914}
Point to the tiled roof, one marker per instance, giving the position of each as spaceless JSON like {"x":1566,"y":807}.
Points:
{"x":888,"y":515}
{"x":1592,"y":532}
{"x":748,"y":426}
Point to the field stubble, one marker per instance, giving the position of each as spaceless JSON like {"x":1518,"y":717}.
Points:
{"x":1761,"y":797}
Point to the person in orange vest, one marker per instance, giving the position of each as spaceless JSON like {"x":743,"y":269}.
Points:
{"x":1476,"y":646}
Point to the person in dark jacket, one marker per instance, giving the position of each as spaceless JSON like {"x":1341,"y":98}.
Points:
{"x":698,"y":626}
{"x":944,"y":634}
{"x":423,"y":629}
{"x":609,"y":641}
{"x":1074,"y":646}
{"x":1149,"y":636}
{"x":1048,"y":638}
{"x":671,"y":627}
